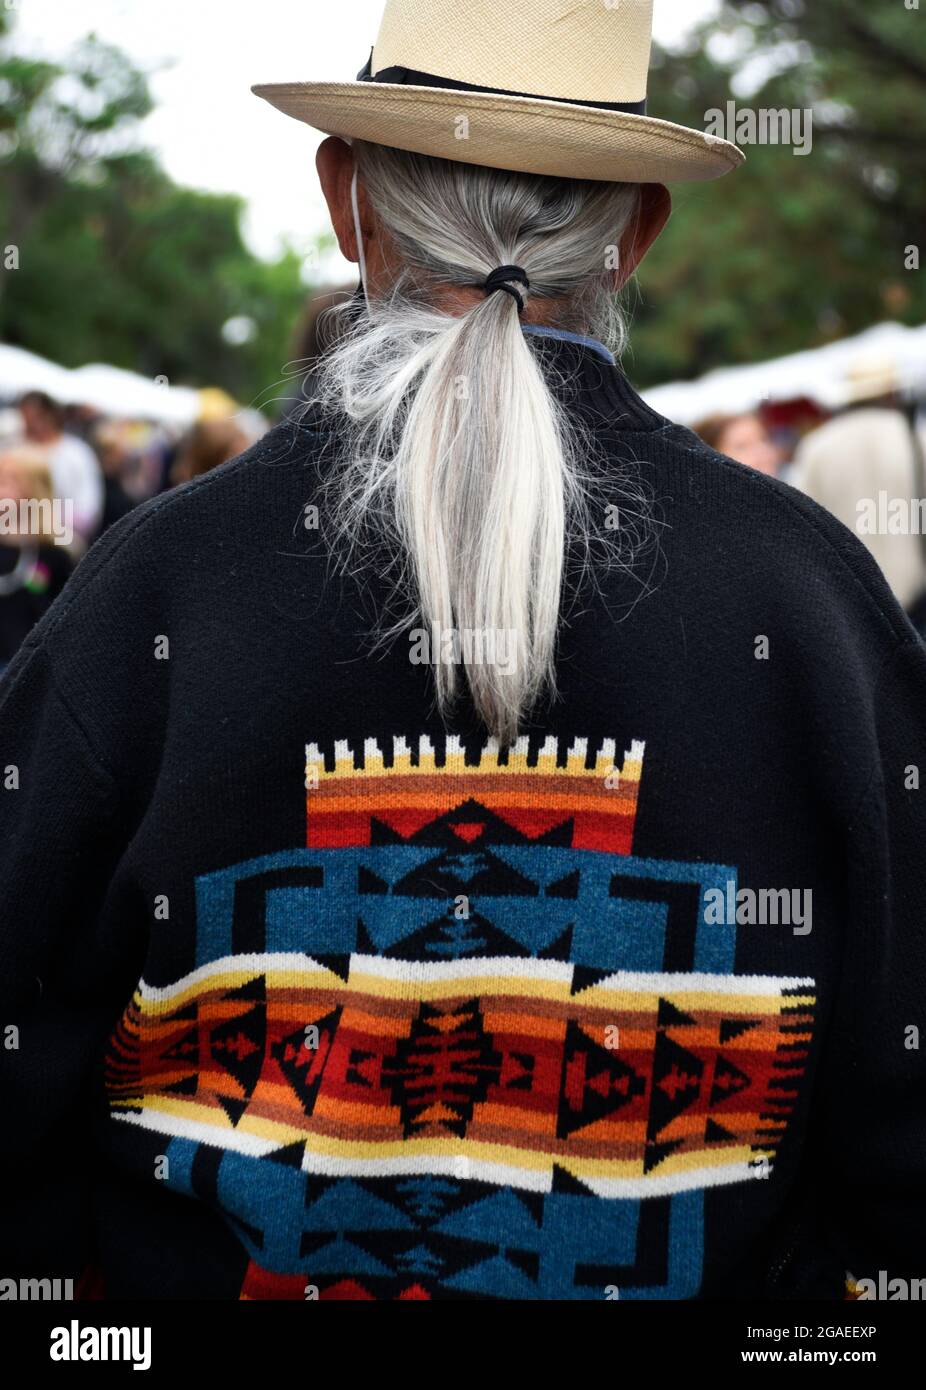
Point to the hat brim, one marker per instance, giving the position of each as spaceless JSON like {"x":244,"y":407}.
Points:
{"x":505,"y":132}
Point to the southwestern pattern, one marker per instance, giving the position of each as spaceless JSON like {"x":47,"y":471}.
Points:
{"x":464,"y":1043}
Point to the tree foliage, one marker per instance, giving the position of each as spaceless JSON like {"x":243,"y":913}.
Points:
{"x":116,"y":262}
{"x":791,"y":250}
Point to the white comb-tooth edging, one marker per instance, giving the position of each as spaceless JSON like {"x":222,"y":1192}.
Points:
{"x":491,"y":752}
{"x":371,"y":752}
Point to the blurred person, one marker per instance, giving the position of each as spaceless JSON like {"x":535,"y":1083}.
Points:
{"x":215,"y":404}
{"x":74,"y":468}
{"x":208,"y":444}
{"x":116,"y":457}
{"x":315,"y":335}
{"x":867,"y":467}
{"x":146,"y":471}
{"x":744,"y":438}
{"x":33,"y":568}
{"x":483,"y":867}
{"x":81,"y":420}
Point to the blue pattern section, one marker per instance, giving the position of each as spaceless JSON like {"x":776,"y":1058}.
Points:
{"x":487,"y":1244}
{"x":609,"y":931}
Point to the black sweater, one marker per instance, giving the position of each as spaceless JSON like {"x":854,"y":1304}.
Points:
{"x":21,"y":609}
{"x":301,"y":993}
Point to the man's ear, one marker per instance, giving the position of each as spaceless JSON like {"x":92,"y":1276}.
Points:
{"x":654,"y":212}
{"x":335,"y":164}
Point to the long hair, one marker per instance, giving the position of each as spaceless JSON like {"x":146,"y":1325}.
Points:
{"x":455,"y":450}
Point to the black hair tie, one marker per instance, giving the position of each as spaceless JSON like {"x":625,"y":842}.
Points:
{"x":499,"y":280}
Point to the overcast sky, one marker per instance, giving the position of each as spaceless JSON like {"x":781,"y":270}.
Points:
{"x":208,"y":128}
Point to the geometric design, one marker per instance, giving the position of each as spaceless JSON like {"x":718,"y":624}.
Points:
{"x":539,"y":795}
{"x":436,"y":1074}
{"x":303,"y":1067}
{"x":463,"y":1042}
{"x":597,"y":1082}
{"x":503,"y":1058}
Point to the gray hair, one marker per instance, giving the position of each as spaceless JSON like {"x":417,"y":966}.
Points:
{"x":454,"y":450}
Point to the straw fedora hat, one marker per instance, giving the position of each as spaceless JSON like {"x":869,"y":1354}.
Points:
{"x":539,"y":86}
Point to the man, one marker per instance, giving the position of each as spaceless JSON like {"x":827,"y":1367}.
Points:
{"x":468,"y":844}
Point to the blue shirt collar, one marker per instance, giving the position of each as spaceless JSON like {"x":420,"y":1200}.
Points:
{"x":541,"y":330}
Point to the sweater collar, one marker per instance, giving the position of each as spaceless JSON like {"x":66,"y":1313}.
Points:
{"x":588,"y":376}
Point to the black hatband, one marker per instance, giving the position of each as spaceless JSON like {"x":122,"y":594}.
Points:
{"x":410,"y":77}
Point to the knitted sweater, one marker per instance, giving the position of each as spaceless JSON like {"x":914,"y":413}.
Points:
{"x":305,"y":994}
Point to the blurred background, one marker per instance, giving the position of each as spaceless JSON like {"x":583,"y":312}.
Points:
{"x":164,"y":252}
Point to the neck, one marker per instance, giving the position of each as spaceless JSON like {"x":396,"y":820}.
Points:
{"x":547,"y":313}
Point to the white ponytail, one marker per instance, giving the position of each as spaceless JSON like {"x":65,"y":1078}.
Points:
{"x":454,"y":450}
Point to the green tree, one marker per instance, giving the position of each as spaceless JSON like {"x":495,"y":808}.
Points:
{"x":116,"y":262}
{"x":791,"y":250}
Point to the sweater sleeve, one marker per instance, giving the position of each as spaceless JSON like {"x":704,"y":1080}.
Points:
{"x":873,"y":1087}
{"x":61,"y":982}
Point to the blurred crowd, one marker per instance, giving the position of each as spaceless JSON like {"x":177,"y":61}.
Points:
{"x":67,"y":473}
{"x":866,"y":464}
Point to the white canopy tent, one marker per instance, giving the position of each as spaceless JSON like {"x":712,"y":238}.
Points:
{"x":24,"y":371}
{"x":117,"y":392}
{"x":111,"y":390}
{"x":823,"y":374}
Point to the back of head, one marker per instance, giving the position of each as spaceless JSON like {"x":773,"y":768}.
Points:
{"x":457,"y":450}
{"x":41,"y":414}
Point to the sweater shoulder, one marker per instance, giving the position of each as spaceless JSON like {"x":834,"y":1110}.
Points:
{"x":155,"y":556}
{"x":154,"y":531}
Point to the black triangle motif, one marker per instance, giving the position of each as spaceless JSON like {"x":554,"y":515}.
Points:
{"x":565,"y":887}
{"x":291,"y":1155}
{"x":728,"y":1081}
{"x":186,"y":1087}
{"x":337,"y":963}
{"x":716,"y":1134}
{"x":365,"y":943}
{"x":601,"y":1082}
{"x":234,"y":1109}
{"x":655,"y":1153}
{"x":304,"y":1067}
{"x":563,"y":1181}
{"x":561,"y":948}
{"x":735,"y":1027}
{"x":584,"y":976}
{"x":238,"y":1043}
{"x":669,"y":1016}
{"x":368,"y":882}
{"x":677,"y":1077}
